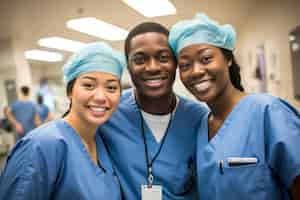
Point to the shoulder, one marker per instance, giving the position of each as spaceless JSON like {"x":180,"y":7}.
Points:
{"x":127,"y":101}
{"x":36,"y":153}
{"x":47,"y":137}
{"x":192,"y":106}
{"x":14,"y":104}
{"x":126,"y":96}
{"x":31,"y":103}
{"x":270,"y":103}
{"x":262,"y":99}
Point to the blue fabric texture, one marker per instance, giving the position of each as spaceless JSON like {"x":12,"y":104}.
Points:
{"x":269,"y":132}
{"x":174,"y":168}
{"x":94,"y":57}
{"x":201,"y":30}
{"x":51,"y":162}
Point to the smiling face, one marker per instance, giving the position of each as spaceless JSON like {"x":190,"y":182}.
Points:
{"x":95,"y":96}
{"x":204,"y":71}
{"x":151,"y":65}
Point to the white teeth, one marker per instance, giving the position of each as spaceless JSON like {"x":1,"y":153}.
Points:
{"x":98,"y":109}
{"x":154,"y":81}
{"x":201,"y":87}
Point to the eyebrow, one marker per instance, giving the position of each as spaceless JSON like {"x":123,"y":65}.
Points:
{"x":94,"y":79}
{"x":163,"y":50}
{"x":137,"y":53}
{"x":112,"y":80}
{"x":200,"y":51}
{"x":88,"y":77}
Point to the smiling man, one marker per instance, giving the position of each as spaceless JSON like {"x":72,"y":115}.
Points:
{"x":151,"y":137}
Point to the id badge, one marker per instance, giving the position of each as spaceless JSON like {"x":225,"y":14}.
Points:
{"x":151,"y":193}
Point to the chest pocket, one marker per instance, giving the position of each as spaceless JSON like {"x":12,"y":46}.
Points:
{"x":243,"y":181}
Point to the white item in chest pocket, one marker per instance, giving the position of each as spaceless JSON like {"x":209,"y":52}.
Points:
{"x":238,"y":161}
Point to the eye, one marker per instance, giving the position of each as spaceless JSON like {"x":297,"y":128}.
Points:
{"x":139,"y":59}
{"x":112,"y":88}
{"x":88,"y":86}
{"x":183,"y":66}
{"x":205,"y":59}
{"x":164,"y":57}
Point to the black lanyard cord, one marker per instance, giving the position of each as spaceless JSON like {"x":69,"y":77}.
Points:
{"x":148,"y":160}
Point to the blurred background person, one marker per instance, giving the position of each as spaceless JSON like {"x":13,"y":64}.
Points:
{"x":43,"y":111}
{"x":46,"y":92}
{"x":5,"y":124}
{"x":22,"y":113}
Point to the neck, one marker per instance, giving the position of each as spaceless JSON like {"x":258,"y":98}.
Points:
{"x":24,"y":98}
{"x":87,"y":134}
{"x":225,"y":102}
{"x":160,"y":106}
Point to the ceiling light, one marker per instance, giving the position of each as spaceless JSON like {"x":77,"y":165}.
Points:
{"x":98,"y":28}
{"x":152,"y":8}
{"x":60,"y":43}
{"x":43,"y":56}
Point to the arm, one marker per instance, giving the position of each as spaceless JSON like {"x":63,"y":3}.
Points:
{"x":283,"y":138}
{"x":18,"y":126}
{"x":295,"y":189}
{"x":22,"y":176}
{"x":31,"y":169}
{"x":37,"y":120}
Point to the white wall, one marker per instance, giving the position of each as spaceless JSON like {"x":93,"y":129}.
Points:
{"x":4,"y":75}
{"x":270,"y":24}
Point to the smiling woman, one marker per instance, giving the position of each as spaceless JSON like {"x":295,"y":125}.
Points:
{"x":250,"y":138}
{"x":45,"y":164}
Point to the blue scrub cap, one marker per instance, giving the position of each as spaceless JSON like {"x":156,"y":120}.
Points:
{"x":99,"y":57}
{"x":201,"y":30}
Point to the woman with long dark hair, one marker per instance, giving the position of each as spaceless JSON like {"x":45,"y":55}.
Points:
{"x":247,"y":147}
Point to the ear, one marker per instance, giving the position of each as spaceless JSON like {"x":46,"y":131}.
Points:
{"x":229,"y":63}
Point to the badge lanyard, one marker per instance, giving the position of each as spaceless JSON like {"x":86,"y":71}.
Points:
{"x":148,"y":160}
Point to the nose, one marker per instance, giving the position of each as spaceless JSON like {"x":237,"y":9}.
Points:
{"x":152,"y":65}
{"x":198,"y":69}
{"x":100,"y":95}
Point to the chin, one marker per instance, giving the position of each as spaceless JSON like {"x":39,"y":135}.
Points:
{"x":158,"y":93}
{"x":202,"y":97}
{"x":96,"y":121}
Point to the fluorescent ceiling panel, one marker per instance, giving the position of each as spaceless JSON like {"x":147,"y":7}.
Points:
{"x":152,"y":8}
{"x":61,"y":43}
{"x":98,"y":28}
{"x":43,"y":56}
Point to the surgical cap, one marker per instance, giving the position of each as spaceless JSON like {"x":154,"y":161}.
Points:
{"x":94,"y":57}
{"x":201,"y":30}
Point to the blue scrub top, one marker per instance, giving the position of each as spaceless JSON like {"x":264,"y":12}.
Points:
{"x":260,"y":126}
{"x":174,"y":168}
{"x":24,"y":112}
{"x":42,"y":111}
{"x":51,"y":162}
